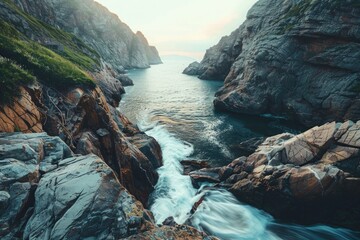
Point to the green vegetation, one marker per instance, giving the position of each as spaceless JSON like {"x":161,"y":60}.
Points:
{"x":49,"y":67}
{"x":27,"y":60}
{"x":77,"y":51}
{"x":11,"y":77}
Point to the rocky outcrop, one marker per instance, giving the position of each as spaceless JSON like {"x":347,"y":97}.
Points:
{"x":46,"y":192}
{"x":310,"y":178}
{"x":85,"y":121}
{"x":291,"y":58}
{"x":98,"y":28}
{"x":82,"y":115}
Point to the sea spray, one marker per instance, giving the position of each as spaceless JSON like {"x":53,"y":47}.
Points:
{"x":174,"y":194}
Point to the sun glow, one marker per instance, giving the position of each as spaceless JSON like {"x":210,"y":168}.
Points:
{"x":184,"y":27}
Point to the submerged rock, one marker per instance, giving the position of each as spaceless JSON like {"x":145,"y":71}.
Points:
{"x":297,"y":58}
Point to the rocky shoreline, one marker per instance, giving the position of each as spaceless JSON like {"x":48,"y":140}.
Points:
{"x":308,"y":178}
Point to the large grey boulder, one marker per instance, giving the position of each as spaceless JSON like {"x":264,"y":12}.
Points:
{"x":23,"y":157}
{"x":80,"y":199}
{"x":296,"y":59}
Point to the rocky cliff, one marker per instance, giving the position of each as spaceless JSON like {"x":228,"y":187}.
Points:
{"x":97,"y":27}
{"x":91,"y":173}
{"x":294,"y":58}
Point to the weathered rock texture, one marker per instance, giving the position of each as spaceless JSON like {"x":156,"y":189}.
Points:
{"x":84,"y":117}
{"x":21,"y":116}
{"x":292,"y":58}
{"x":311,"y":177}
{"x":46,"y":192}
{"x":98,"y":28}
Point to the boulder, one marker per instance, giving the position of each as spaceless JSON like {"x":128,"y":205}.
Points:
{"x":82,"y":198}
{"x":205,"y":175}
{"x":193,"y":165}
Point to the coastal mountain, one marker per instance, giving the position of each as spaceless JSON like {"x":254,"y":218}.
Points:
{"x":297,"y":59}
{"x":116,"y":43}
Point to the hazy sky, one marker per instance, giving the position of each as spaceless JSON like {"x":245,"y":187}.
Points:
{"x":184,"y":27}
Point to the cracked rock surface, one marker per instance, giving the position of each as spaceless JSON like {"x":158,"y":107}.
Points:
{"x":48,"y":192}
{"x":311,"y":177}
{"x":293,"y":58}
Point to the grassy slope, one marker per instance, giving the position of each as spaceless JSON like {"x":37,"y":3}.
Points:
{"x":60,"y":69}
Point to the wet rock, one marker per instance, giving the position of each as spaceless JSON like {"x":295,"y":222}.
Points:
{"x":170,"y":221}
{"x":149,"y":147}
{"x":206,"y":175}
{"x":236,"y":177}
{"x":225,"y":172}
{"x":193,"y":165}
{"x":247,"y":147}
{"x":300,"y":177}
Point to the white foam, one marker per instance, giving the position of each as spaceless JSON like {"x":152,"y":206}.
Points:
{"x":220,"y":213}
{"x":174,"y":194}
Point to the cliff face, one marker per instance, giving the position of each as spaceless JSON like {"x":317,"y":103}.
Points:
{"x":292,"y":58}
{"x":98,"y":28}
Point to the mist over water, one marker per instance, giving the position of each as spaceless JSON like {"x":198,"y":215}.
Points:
{"x":177,"y":111}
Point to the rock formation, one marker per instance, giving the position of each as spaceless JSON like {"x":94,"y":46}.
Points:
{"x":311,"y":177}
{"x":90,"y":175}
{"x":97,"y":27}
{"x":292,"y":58}
{"x":46,"y":192}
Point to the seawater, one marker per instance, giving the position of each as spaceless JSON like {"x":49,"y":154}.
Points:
{"x":177,"y":111}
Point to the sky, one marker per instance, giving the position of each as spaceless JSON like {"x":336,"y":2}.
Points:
{"x":186,"y":27}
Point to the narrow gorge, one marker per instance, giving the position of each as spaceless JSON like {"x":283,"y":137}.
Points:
{"x":100,"y":138}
